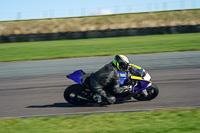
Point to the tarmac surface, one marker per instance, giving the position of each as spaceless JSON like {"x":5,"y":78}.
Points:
{"x":35,"y":88}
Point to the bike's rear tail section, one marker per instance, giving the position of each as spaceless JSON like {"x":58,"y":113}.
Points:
{"x":78,"y":94}
{"x":77,"y":76}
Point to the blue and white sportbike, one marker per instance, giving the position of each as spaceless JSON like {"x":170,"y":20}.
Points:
{"x":139,"y":87}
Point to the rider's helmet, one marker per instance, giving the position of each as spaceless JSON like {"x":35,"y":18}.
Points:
{"x":121,"y":62}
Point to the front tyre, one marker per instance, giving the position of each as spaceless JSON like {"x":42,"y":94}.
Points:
{"x":152,"y":92}
{"x":71,"y":93}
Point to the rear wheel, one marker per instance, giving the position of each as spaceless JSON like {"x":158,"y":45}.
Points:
{"x":71,"y":94}
{"x":152,"y":92}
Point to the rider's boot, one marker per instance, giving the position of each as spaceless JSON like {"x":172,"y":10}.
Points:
{"x":105,"y":95}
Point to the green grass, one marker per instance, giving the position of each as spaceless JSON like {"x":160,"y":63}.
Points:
{"x":160,"y":121}
{"x":98,"y":47}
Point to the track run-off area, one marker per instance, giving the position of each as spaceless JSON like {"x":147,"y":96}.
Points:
{"x":35,"y":88}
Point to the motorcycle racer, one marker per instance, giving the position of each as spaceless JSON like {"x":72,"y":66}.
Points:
{"x":107,"y":79}
{"x":118,"y":80}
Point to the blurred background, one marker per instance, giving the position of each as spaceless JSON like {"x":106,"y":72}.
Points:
{"x":49,"y":16}
{"x":23,"y":10}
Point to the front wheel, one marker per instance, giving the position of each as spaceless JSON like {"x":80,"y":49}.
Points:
{"x":71,"y":94}
{"x":152,"y":92}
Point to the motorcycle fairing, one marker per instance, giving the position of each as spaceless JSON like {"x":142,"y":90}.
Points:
{"x":144,"y":75}
{"x":76,"y":76}
{"x":123,"y":77}
{"x":143,"y":85}
{"x":143,"y":81}
{"x":140,"y":78}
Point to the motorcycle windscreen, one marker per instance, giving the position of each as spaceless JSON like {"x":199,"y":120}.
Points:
{"x":77,"y":76}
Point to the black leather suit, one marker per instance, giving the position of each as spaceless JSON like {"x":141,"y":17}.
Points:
{"x":106,"y":80}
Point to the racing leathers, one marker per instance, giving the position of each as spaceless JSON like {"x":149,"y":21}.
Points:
{"x":106,"y":80}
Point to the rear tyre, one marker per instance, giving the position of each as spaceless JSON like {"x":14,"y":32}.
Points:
{"x":152,"y":91}
{"x":71,"y":93}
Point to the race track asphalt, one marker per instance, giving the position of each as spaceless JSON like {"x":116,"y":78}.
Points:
{"x":35,"y":88}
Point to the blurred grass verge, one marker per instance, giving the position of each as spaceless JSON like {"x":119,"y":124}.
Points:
{"x":118,"y":21}
{"x":157,"y":121}
{"x":98,"y":47}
